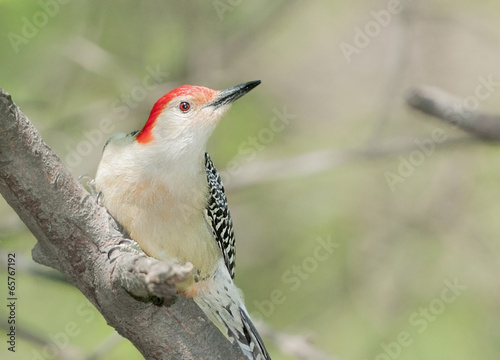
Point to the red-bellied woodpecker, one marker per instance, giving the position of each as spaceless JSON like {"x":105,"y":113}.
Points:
{"x":161,"y":186}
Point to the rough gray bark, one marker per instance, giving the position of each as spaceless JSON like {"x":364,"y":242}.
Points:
{"x":74,"y":235}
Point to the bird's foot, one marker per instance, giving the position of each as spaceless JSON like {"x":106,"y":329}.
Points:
{"x":89,"y":184}
{"x":125,"y":245}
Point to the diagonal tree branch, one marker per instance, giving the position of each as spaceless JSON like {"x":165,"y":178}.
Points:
{"x":447,"y":107}
{"x":74,"y":236}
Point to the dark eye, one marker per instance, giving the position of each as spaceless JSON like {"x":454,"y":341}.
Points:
{"x":184,"y":106}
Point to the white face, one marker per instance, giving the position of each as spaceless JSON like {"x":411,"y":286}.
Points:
{"x":185,"y":124}
{"x":188,"y":119}
{"x":181,"y":121}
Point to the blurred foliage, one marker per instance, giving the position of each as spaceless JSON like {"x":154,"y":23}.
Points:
{"x":80,"y":72}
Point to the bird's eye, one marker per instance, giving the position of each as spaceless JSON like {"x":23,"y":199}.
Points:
{"x":184,"y":106}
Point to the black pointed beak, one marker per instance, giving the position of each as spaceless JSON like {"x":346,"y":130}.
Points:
{"x":233,"y":93}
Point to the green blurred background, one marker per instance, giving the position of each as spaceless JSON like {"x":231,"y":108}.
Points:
{"x":412,"y":270}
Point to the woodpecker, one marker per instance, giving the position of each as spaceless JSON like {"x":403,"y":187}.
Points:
{"x":160,"y":184}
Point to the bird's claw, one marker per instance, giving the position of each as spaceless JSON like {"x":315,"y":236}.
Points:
{"x":125,"y":245}
{"x":89,"y":183}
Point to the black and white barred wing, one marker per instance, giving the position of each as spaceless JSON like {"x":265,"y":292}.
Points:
{"x":218,"y":215}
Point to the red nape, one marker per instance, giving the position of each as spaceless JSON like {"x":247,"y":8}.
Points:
{"x":145,"y":135}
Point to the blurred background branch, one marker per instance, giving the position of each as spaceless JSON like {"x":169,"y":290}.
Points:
{"x":451,"y":109}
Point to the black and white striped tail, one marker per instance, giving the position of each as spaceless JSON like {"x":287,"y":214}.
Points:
{"x":220,"y":300}
{"x":253,"y":343}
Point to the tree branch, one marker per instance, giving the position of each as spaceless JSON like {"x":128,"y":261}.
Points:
{"x":316,"y":162}
{"x":429,"y":100}
{"x":74,"y":236}
{"x":447,"y":107}
{"x":298,"y":346}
